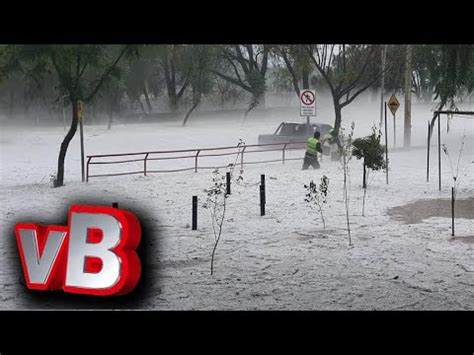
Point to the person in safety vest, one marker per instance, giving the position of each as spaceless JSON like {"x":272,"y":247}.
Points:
{"x":313,"y":146}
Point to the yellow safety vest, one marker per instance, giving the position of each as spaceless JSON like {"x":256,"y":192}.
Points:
{"x":311,"y":146}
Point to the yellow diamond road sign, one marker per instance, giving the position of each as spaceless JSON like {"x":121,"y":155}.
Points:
{"x":393,"y":104}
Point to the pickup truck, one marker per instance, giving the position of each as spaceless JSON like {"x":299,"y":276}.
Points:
{"x":293,"y":132}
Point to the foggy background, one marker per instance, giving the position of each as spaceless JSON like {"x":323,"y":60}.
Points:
{"x":402,"y":257}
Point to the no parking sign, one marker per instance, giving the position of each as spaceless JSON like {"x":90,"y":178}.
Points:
{"x":308,"y":103}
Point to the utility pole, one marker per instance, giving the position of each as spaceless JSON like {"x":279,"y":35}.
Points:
{"x":382,"y":84}
{"x":407,"y":121}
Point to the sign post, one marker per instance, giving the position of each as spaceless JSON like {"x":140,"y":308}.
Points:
{"x":308,"y":104}
{"x":80,"y":110}
{"x":393,"y":105}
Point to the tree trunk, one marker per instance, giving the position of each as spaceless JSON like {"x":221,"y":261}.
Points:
{"x":257,"y":101}
{"x":93,"y":114}
{"x":261,"y":101}
{"x":171,"y":84}
{"x":147,"y":99}
{"x":173,"y":102}
{"x":59,"y":181}
{"x":364,"y":182}
{"x":172,"y":89}
{"x":338,"y":118}
{"x":195,"y":104}
{"x":363,"y":202}
{"x":212,"y":256}
{"x":141,"y":105}
{"x":305,"y":77}
{"x":11,"y":102}
{"x":109,"y":124}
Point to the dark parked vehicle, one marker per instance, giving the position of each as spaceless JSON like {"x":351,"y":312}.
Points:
{"x":293,"y":132}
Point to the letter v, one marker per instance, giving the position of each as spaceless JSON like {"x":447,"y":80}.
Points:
{"x":43,"y":252}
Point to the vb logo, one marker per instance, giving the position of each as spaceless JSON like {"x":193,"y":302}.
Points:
{"x":94,"y":255}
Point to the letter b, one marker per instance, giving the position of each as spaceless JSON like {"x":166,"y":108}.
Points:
{"x":101,"y":257}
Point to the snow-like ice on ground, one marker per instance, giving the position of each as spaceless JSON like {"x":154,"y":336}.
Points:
{"x":284,"y":260}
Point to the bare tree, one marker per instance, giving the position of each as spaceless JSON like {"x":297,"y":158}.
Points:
{"x":455,"y":175}
{"x":455,"y":172}
{"x":316,"y":195}
{"x":345,"y":152}
{"x":216,"y":201}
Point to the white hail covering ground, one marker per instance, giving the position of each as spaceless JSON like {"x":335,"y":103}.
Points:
{"x":285,"y":260}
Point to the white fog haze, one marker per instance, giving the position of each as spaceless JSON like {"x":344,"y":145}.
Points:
{"x":402,"y":255}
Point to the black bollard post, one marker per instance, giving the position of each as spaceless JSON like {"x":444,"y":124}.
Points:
{"x":262,"y":195}
{"x":195,"y":211}
{"x":115,"y":204}
{"x":227,"y":176}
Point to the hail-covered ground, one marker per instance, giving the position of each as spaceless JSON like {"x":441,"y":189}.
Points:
{"x":402,"y":255}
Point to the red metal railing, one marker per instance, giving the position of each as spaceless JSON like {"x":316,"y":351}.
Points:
{"x":195,"y":154}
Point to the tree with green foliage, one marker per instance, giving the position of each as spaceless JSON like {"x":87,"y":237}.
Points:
{"x":348,"y":70}
{"x":200,"y":78}
{"x":298,"y":64}
{"x":175,"y":64}
{"x":21,"y":94}
{"x":137,"y":80}
{"x":450,"y":69}
{"x":81,"y":71}
{"x":111,"y":98}
{"x":371,"y":152}
{"x":246,"y":67}
{"x":454,"y":74}
{"x":439,"y":72}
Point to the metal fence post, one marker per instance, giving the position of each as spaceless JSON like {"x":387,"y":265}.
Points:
{"x":242,"y":158}
{"x":144,"y":163}
{"x":87,"y":168}
{"x":283,"y":153}
{"x":196,"y":161}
